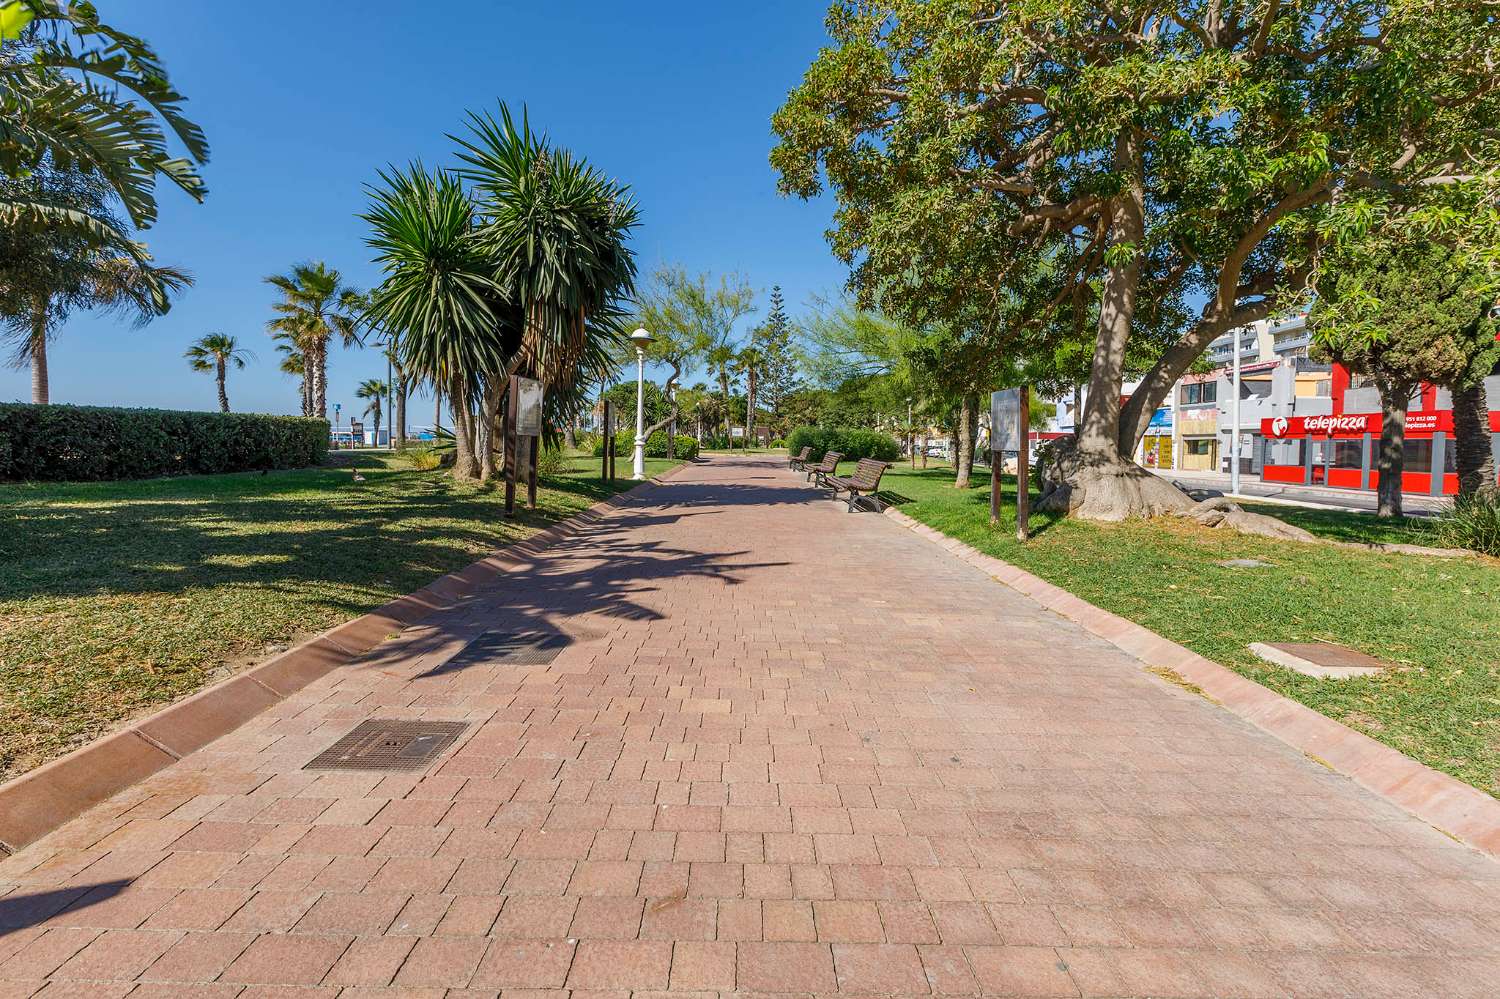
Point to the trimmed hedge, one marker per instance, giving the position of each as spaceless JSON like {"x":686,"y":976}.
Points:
{"x":656,"y":445}
{"x":94,"y":443}
{"x":855,"y":444}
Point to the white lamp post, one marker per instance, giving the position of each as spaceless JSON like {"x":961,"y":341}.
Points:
{"x":640,"y":338}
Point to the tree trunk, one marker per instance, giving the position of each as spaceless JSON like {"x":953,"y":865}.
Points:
{"x":490,"y":430}
{"x":398,"y":428}
{"x":437,"y":413}
{"x":963,"y":458}
{"x":1090,"y":477}
{"x":750,"y":406}
{"x":1391,"y":455}
{"x":40,"y":389}
{"x":464,"y":465}
{"x":319,"y":360}
{"x":1474,"y":456}
{"x":223,"y":393}
{"x":1077,"y":405}
{"x":570,"y":433}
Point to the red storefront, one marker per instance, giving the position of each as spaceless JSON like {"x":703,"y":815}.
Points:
{"x":1339,"y":449}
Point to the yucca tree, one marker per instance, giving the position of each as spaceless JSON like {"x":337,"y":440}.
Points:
{"x":79,"y":95}
{"x":216,"y":352}
{"x":556,"y":231}
{"x":374,"y":391}
{"x":316,"y":308}
{"x":439,"y":295}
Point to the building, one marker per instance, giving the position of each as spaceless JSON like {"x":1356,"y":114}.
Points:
{"x":1337,"y":447}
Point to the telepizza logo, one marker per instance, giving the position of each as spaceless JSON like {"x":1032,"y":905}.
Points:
{"x":1335,"y":424}
{"x":1278,"y":427}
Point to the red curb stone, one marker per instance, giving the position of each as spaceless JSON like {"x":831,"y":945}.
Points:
{"x":36,"y":803}
{"x":1438,"y":799}
{"x":296,"y":668}
{"x":204,"y":717}
{"x":364,"y":632}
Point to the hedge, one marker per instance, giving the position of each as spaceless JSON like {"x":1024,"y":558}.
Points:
{"x":656,"y":445}
{"x":94,"y":443}
{"x":855,"y":444}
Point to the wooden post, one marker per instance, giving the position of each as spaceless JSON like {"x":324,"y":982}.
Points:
{"x":1023,"y":469}
{"x":535,"y":445}
{"x":509,"y":424}
{"x":995,"y":463}
{"x":604,"y":433}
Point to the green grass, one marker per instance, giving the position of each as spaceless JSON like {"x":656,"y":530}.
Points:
{"x":1435,"y":619}
{"x":117,"y":598}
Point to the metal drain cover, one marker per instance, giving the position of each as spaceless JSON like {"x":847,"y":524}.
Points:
{"x":384,"y":744}
{"x":503,"y":648}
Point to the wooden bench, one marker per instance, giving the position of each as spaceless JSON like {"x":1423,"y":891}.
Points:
{"x":829,"y":465}
{"x":866,"y":479}
{"x":798,"y":460}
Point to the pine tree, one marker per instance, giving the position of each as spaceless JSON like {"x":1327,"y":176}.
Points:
{"x":778,"y":372}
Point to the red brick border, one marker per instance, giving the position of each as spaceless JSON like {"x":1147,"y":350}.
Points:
{"x":37,"y":802}
{"x":1463,"y":812}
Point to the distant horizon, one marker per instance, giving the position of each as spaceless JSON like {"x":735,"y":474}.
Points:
{"x":300,"y":126}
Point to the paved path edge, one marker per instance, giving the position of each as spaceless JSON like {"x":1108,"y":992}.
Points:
{"x":41,"y":800}
{"x":1449,"y":805}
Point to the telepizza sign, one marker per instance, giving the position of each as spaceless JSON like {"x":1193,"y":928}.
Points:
{"x":1352,"y":424}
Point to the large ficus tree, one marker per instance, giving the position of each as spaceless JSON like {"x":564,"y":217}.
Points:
{"x":1176,"y":166}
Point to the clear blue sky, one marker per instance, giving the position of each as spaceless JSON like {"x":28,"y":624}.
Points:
{"x":304,"y":101}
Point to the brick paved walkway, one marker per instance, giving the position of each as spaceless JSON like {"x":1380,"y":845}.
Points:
{"x":791,"y":750}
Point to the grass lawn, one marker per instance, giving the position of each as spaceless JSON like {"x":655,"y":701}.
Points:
{"x":1438,"y":620}
{"x":117,"y":598}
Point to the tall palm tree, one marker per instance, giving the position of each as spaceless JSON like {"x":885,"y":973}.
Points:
{"x":374,"y":390}
{"x":216,"y":352}
{"x":78,"y":93}
{"x":316,"y":308}
{"x":721,"y":362}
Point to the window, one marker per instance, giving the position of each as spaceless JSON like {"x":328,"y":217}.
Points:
{"x":1200,"y":393}
{"x":1202,"y":446}
{"x":1348,"y":454}
{"x":1418,"y":456}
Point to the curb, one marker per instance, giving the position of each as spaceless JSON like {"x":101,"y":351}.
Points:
{"x":1446,"y":803}
{"x":43,"y":799}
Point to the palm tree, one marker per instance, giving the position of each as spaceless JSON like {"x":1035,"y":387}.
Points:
{"x":48,"y":272}
{"x":374,"y":390}
{"x":316,"y":307}
{"x":748,"y":362}
{"x":215,"y":352}
{"x":556,"y":230}
{"x":720,"y":361}
{"x":439,"y":294}
{"x":80,"y":93}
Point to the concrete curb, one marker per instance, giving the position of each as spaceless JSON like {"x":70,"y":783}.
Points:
{"x":38,"y":802}
{"x":1446,"y":803}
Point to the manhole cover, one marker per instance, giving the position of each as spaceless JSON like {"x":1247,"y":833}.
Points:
{"x":503,"y":648}
{"x":383,"y":744}
{"x":1322,"y":659}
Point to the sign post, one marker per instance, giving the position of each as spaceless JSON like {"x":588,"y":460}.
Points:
{"x":523,"y":426}
{"x":1005,"y":435}
{"x":607,"y":432}
{"x":1023,"y":468}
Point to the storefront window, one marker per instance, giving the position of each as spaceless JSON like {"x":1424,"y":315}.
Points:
{"x":1417,"y":457}
{"x":1348,"y":454}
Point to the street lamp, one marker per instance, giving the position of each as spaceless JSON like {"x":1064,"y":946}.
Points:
{"x":911,"y":440}
{"x":640,"y":338}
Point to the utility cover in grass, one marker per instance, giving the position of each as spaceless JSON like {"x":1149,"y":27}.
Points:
{"x":1321,"y":659}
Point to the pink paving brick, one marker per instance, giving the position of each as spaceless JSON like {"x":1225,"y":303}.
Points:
{"x":721,"y":788}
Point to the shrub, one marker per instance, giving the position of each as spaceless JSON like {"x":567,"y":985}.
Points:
{"x":855,"y":444}
{"x":551,"y":461}
{"x":422,"y":458}
{"x":1474,"y":524}
{"x":656,"y":445}
{"x":94,"y":443}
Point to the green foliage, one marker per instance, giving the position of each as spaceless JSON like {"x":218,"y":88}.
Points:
{"x":1474,"y":523}
{"x":88,"y":443}
{"x":853,"y":443}
{"x":551,"y":461}
{"x":656,"y":445}
{"x":657,"y":407}
{"x":81,"y":95}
